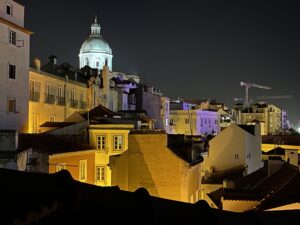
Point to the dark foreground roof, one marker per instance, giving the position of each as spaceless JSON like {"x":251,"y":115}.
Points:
{"x":44,"y":199}
{"x":49,"y":143}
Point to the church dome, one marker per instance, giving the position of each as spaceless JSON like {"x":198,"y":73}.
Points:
{"x":95,"y":51}
{"x":95,"y":44}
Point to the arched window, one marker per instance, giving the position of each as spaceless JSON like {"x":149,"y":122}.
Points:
{"x":97,"y":64}
{"x":87,"y":61}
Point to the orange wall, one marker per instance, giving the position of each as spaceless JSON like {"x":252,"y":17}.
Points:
{"x":72,"y":164}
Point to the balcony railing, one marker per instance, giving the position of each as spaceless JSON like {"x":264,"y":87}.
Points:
{"x":60,"y":100}
{"x":82,"y":105}
{"x":34,"y":96}
{"x":73,"y":103}
{"x":50,"y":99}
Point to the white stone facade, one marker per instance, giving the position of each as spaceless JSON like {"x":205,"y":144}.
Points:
{"x":14,"y":67}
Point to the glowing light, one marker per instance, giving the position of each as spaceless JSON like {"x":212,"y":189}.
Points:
{"x":298,"y":129}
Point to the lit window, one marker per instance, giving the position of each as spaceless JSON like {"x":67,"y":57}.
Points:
{"x":101,"y":142}
{"x":52,"y":118}
{"x":60,"y":166}
{"x":118,"y":142}
{"x":11,"y":105}
{"x":82,"y":170}
{"x":100,"y":173}
{"x":12,"y":37}
{"x":9,"y":10}
{"x":12,"y":71}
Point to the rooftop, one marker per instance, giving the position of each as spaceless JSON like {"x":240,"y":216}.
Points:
{"x":49,"y":143}
{"x":58,"y":199}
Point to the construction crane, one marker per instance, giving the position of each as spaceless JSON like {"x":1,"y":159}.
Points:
{"x":251,"y":85}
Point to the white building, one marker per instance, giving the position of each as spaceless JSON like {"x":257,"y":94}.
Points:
{"x":95,"y":51}
{"x":194,"y":122}
{"x":237,"y":145}
{"x":14,"y":66}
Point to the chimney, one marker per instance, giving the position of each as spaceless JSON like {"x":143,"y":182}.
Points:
{"x":53,"y":60}
{"x":37,"y":64}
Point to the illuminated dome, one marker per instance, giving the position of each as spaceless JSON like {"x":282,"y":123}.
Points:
{"x":95,"y":44}
{"x":95,"y":51}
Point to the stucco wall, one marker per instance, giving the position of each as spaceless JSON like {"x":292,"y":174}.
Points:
{"x":238,"y":206}
{"x":150,"y":164}
{"x":14,"y":88}
{"x":72,"y":164}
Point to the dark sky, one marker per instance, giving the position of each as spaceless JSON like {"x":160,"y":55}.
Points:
{"x":192,"y":49}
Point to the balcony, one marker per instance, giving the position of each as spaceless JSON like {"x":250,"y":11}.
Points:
{"x":73,"y":103}
{"x":82,"y":105}
{"x":34,"y":96}
{"x":50,"y":99}
{"x":61,"y":101}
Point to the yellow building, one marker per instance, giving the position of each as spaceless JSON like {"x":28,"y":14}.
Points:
{"x":54,"y":98}
{"x":164,"y":171}
{"x":269,"y":116}
{"x":92,"y":166}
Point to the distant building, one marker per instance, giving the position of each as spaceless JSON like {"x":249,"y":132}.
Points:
{"x":194,"y":122}
{"x":14,"y":67}
{"x":150,"y":99}
{"x":166,"y":170}
{"x":272,"y":118}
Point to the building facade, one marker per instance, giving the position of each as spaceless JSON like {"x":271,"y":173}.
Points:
{"x":194,"y":122}
{"x":53,"y":98}
{"x":93,"y":166}
{"x":151,"y":164}
{"x":14,"y":66}
{"x":271,"y":117}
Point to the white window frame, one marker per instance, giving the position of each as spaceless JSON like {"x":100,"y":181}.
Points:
{"x":100,"y":174}
{"x":118,"y":142}
{"x":83,"y":170}
{"x":12,"y":37}
{"x":101,"y":142}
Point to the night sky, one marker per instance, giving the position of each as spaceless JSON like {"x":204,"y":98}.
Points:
{"x":191,"y":49}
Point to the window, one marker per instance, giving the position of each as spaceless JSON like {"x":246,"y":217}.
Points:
{"x":101,"y":142}
{"x":87,"y":61}
{"x":82,"y":170}
{"x":236,"y":156}
{"x":12,"y":37}
{"x":118,"y":142}
{"x":187,"y":121}
{"x":60,"y":166}
{"x":52,"y":118}
{"x":97,"y":64}
{"x":12,"y":71}
{"x":100,"y":173}
{"x":34,"y":91}
{"x":9,"y":10}
{"x":11,"y":105}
